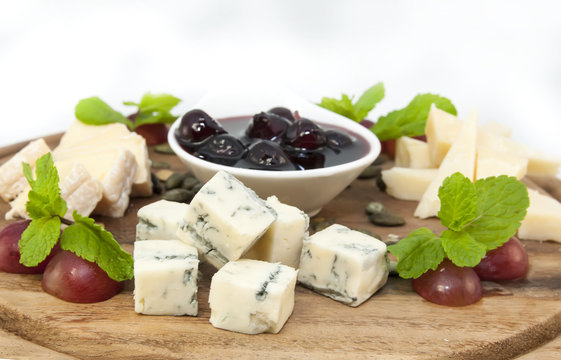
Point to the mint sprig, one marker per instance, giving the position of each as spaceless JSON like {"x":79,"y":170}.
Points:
{"x":480,"y":216}
{"x":359,"y":110}
{"x":152,"y":109}
{"x":409,"y":121}
{"x":83,"y":237}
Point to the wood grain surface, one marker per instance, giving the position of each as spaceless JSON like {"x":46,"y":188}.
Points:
{"x":512,"y":319}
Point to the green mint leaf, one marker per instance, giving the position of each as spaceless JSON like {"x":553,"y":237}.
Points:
{"x":154,"y":118}
{"x":157,"y":103}
{"x":501,"y":206}
{"x":44,"y":197}
{"x":462,"y":249}
{"x":368,"y":101}
{"x":458,"y":201}
{"x":38,"y":240}
{"x":93,"y":243}
{"x":420,"y":251}
{"x":411,"y":120}
{"x":342,"y":107}
{"x":131,"y":103}
{"x":94,"y":111}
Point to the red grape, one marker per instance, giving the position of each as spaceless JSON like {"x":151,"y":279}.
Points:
{"x":153,"y":133}
{"x":508,"y":262}
{"x":9,"y":250}
{"x":449,"y":285}
{"x":71,"y":278}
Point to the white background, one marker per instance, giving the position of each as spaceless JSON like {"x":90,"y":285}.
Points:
{"x":500,"y":57}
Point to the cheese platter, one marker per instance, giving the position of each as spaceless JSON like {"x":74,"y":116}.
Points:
{"x":511,"y":319}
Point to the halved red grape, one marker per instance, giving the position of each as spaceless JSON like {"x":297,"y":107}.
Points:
{"x":284,"y":112}
{"x":9,"y":250}
{"x":267,"y":126}
{"x":153,"y":133}
{"x":196,"y":126}
{"x":508,"y":262}
{"x":304,"y":134}
{"x":449,"y":285}
{"x":71,"y":278}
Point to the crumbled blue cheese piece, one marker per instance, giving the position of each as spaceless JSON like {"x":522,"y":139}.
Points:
{"x":160,"y":220}
{"x":283,"y":241}
{"x":165,"y":278}
{"x":225,"y":219}
{"x":343,"y":264}
{"x":252,"y":296}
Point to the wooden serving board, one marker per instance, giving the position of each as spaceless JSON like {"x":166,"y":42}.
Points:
{"x":512,"y":318}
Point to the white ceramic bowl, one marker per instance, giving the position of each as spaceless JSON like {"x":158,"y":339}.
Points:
{"x":309,"y":190}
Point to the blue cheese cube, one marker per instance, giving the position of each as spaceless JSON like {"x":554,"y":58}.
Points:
{"x":225,"y":219}
{"x":343,"y":264}
{"x":160,"y":220}
{"x":252,"y":296}
{"x":165,"y":278}
{"x":283,"y":241}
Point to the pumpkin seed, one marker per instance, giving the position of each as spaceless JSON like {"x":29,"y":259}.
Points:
{"x":369,"y":233}
{"x":380,"y":182}
{"x":197,"y":187}
{"x":386,"y":219}
{"x":381,"y":159}
{"x":175,"y":180}
{"x":370,"y":172}
{"x":160,"y":165}
{"x":178,"y":195}
{"x":156,"y":185}
{"x":163,"y":149}
{"x":374,"y":207}
{"x":189,"y":182}
{"x":320,"y":223}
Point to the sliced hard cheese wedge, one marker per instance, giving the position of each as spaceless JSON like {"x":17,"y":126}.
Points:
{"x":538,"y":162}
{"x":77,"y":187}
{"x":492,"y":163}
{"x":441,"y":130}
{"x":84,"y":139}
{"x":12,"y":181}
{"x":460,"y":158}
{"x":543,"y":219}
{"x":496,"y":128}
{"x":412,"y":153}
{"x":407,"y":184}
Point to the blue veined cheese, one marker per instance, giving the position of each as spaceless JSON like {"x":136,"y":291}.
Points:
{"x":283,"y":241}
{"x":343,"y":264}
{"x":225,"y":219}
{"x":160,"y":220}
{"x":252,"y":296}
{"x":165,"y":278}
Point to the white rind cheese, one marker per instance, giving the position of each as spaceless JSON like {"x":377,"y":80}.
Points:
{"x":225,"y":219}
{"x":406,"y":183}
{"x":12,"y":180}
{"x":160,"y":220}
{"x":252,"y":296}
{"x":412,"y":153}
{"x":543,"y":219}
{"x":165,"y":278}
{"x":80,"y":191}
{"x":343,"y":264}
{"x":460,"y":158}
{"x":283,"y":240}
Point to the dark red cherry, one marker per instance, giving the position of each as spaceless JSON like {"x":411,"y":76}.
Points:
{"x":304,"y":134}
{"x":222,"y":149}
{"x":284,"y":112}
{"x":337,"y":140}
{"x":266,"y":155}
{"x":267,"y":126}
{"x":308,"y":159}
{"x":197,"y":125}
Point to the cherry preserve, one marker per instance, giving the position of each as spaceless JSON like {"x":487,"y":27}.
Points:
{"x":274,"y":140}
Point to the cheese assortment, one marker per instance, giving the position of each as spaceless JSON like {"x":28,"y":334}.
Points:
{"x":165,"y":278}
{"x":12,"y":181}
{"x":282,"y":242}
{"x":543,"y":219}
{"x":160,"y":220}
{"x":343,"y":264}
{"x":252,"y":296}
{"x":225,"y":219}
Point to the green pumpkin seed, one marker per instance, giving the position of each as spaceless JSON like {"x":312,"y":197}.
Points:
{"x":374,"y":207}
{"x":160,"y":165}
{"x":320,"y":223}
{"x":175,"y":180}
{"x":156,"y":184}
{"x":369,"y":233}
{"x":370,"y":172}
{"x":178,"y":195}
{"x":386,"y":219}
{"x":197,"y":187}
{"x":163,"y":149}
{"x":189,"y":182}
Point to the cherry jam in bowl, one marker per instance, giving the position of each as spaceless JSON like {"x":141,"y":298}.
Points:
{"x":305,"y":163}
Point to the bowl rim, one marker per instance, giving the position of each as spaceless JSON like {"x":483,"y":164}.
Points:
{"x":365,"y":160}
